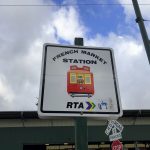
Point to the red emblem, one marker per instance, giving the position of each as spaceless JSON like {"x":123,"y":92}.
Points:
{"x":80,"y":82}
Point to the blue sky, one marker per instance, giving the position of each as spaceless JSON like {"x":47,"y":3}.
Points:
{"x":102,"y":19}
{"x":102,"y":16}
{"x":24,"y":30}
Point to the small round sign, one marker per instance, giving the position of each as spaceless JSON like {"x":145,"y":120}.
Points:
{"x":116,"y":145}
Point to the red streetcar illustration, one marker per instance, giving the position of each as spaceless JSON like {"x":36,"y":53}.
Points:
{"x":80,"y":82}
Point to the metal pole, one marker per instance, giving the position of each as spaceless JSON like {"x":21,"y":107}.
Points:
{"x":81,"y":134}
{"x":140,"y":21}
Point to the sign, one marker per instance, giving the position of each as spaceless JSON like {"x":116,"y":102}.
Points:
{"x":115,"y":136}
{"x":109,"y":128}
{"x":78,"y":81}
{"x":117,"y":125}
{"x":117,"y":145}
{"x":114,"y":130}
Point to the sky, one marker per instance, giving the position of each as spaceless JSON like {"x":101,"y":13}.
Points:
{"x":24,"y":30}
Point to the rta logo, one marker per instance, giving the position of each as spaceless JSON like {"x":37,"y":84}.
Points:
{"x":88,"y":105}
{"x":77,"y":105}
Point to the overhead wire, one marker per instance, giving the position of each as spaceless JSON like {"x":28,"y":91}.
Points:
{"x":63,"y":5}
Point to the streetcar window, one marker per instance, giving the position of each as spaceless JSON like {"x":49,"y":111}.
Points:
{"x":87,"y":79}
{"x":73,"y":78}
{"x":80,"y":79}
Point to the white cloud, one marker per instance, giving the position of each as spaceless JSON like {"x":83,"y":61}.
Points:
{"x":67,"y":24}
{"x":20,"y":56}
{"x":132,"y":69}
{"x":6,"y":93}
{"x":24,"y":30}
{"x":5,"y":90}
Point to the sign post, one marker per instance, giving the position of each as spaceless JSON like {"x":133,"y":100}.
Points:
{"x":81,"y":131}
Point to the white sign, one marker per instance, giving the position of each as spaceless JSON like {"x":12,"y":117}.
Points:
{"x":109,"y":128}
{"x":117,"y":125}
{"x":78,"y":81}
{"x":114,"y":130}
{"x":114,"y":137}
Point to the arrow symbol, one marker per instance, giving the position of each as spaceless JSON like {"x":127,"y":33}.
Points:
{"x":90,"y":106}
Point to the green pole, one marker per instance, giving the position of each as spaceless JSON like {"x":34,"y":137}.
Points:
{"x":140,"y":21}
{"x":81,"y":134}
